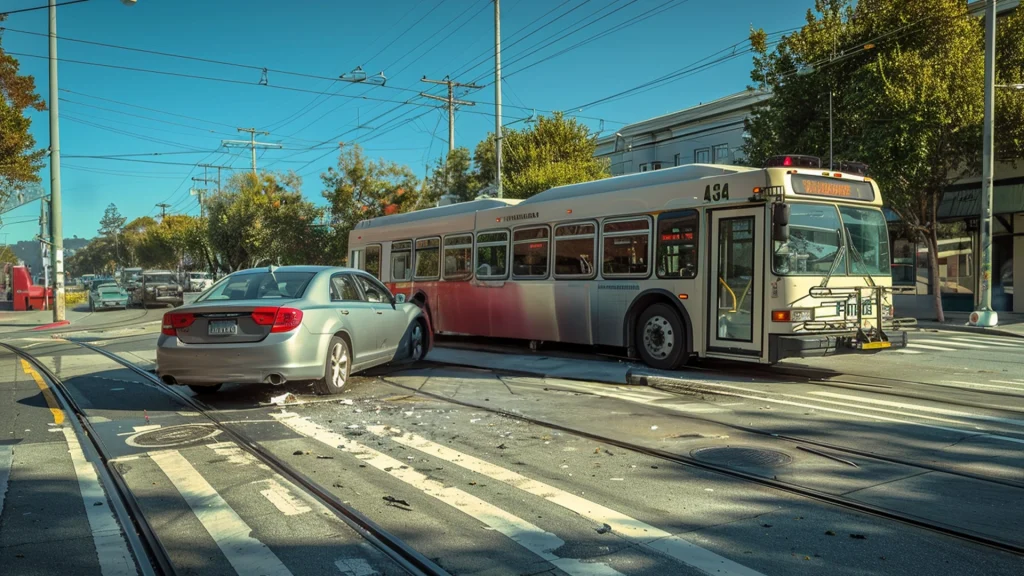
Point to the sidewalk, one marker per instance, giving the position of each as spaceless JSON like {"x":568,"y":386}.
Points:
{"x":1011,"y":324}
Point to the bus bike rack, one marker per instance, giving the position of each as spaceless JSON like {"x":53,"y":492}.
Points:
{"x":864,"y":340}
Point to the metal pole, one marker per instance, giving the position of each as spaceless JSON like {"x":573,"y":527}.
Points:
{"x":451,"y":118}
{"x":56,"y":220}
{"x":831,"y":164}
{"x":497,"y":97}
{"x":984,"y":315}
{"x":253,"y":148}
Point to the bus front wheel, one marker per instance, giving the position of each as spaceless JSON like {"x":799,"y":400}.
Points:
{"x":660,"y":337}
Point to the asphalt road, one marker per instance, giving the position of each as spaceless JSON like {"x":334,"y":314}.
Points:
{"x":482,"y":493}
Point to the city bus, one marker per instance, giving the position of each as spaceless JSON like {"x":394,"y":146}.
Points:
{"x":701,"y":260}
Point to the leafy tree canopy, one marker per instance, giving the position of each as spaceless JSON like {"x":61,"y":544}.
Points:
{"x":20,"y":162}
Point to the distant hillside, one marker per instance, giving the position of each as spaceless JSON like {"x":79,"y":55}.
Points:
{"x":28,"y":251}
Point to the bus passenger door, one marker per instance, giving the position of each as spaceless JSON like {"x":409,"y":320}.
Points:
{"x":735,"y":283}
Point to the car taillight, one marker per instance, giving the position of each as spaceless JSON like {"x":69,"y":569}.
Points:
{"x":175,"y":320}
{"x":279,"y":319}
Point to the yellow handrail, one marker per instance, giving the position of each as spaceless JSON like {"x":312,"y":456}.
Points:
{"x":731,"y":293}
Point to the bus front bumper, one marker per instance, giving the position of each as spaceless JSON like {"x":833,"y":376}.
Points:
{"x":782,"y":346}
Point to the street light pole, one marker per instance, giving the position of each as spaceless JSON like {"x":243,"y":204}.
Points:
{"x":497,"y":98}
{"x":56,"y":219}
{"x":984,"y":315}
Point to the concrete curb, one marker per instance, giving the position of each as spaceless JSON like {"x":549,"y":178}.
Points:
{"x":965,"y":328}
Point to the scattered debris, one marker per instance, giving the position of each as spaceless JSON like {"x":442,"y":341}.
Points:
{"x":829,"y":533}
{"x":654,"y":467}
{"x":392,"y":501}
{"x":654,"y":427}
{"x":858,"y":537}
{"x":97,"y":503}
{"x":501,"y":446}
{"x":564,"y":466}
{"x":286,"y":398}
{"x":709,"y":489}
{"x":322,"y":457}
{"x":475,"y":420}
{"x":473,"y":483}
{"x":352,"y":427}
{"x":604,"y":529}
{"x":298,"y":453}
{"x":346,"y":402}
{"x":766,"y":525}
{"x":337,"y":485}
{"x":618,"y":479}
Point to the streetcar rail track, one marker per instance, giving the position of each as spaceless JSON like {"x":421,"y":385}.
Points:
{"x":409,"y":558}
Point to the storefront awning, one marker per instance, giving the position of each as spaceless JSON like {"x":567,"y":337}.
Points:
{"x":963,"y":204}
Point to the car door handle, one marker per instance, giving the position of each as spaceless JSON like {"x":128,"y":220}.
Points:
{"x":380,"y":311}
{"x":345,"y":312}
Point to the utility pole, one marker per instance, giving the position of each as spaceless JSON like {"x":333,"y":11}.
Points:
{"x":252,"y":144}
{"x":56,"y":218}
{"x":163,"y":210}
{"x":200,"y":192}
{"x":984,"y":315}
{"x":497,"y":96}
{"x":451,"y":103}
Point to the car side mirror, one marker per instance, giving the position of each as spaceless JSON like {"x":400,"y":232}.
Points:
{"x":400,"y":298}
{"x":780,"y":222}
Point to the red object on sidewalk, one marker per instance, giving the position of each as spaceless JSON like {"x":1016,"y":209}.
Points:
{"x":53,"y":325}
{"x":26,"y":295}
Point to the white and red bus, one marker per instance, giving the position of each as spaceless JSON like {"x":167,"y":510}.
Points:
{"x":700,"y":260}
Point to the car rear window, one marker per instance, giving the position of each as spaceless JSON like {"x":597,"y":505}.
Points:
{"x":161,"y":279}
{"x":260,"y":286}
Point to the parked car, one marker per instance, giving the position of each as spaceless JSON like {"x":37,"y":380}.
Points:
{"x":293,"y":323}
{"x":105,"y":295}
{"x":199,"y":281}
{"x":130,"y":277}
{"x":158,"y":287}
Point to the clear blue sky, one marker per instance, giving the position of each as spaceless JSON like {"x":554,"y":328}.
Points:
{"x":327,"y":38}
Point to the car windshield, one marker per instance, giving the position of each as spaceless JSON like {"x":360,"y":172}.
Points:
{"x":260,"y":286}
{"x":816,"y":233}
{"x":100,"y":282}
{"x":199,"y":275}
{"x":110,"y":288}
{"x":160,"y":279}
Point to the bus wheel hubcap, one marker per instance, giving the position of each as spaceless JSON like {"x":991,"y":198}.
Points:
{"x":659,"y":337}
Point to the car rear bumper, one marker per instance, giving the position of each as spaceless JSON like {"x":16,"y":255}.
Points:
{"x":782,"y":346}
{"x":101,"y":304}
{"x":295,"y":357}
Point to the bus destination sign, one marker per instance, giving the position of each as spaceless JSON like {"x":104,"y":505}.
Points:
{"x":517,"y":217}
{"x":820,"y":186}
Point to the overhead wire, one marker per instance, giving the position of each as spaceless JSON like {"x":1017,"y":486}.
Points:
{"x":34,"y":8}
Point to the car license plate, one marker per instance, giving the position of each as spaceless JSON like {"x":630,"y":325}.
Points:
{"x":875,"y":345}
{"x":223,"y":328}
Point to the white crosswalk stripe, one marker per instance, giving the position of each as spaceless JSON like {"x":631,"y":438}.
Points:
{"x":912,"y":344}
{"x":908,"y":352}
{"x":987,"y":343}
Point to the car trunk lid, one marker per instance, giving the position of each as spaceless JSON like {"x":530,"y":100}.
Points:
{"x":224,"y":323}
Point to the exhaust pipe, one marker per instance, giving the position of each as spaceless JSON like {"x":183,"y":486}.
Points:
{"x":276,"y":379}
{"x":169,"y":380}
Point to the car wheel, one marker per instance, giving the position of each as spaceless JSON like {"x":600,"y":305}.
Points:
{"x":660,"y":337}
{"x":200,"y":390}
{"x":417,"y":341}
{"x":337,"y":369}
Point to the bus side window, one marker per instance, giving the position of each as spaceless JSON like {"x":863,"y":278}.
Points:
{"x":626,"y":247}
{"x":530,"y":252}
{"x":492,"y":255}
{"x":575,"y":247}
{"x":677,"y":244}
{"x":458,"y":257}
{"x":401,"y":261}
{"x":371,"y":262}
{"x":428,"y":259}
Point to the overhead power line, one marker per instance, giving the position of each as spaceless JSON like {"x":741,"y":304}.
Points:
{"x":34,"y":8}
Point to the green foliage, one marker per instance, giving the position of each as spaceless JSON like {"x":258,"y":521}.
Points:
{"x":906,"y":78}
{"x":112,"y":221}
{"x":7,"y":256}
{"x":554,"y":151}
{"x":98,"y":257}
{"x":358,"y":189}
{"x":453,"y":175}
{"x":19,"y":161}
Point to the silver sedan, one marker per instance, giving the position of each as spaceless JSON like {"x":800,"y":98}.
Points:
{"x":289,"y":323}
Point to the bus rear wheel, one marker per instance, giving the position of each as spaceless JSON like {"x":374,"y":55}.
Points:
{"x":660,"y":337}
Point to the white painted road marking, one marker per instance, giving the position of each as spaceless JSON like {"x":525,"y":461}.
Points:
{"x":912,"y":344}
{"x":355,"y":567}
{"x":905,"y":351}
{"x":6,"y":457}
{"x":951,"y":342}
{"x":282,"y":498}
{"x":1009,"y":341}
{"x":538,"y":541}
{"x":111,"y":547}
{"x":246,"y":554}
{"x":622,"y":525}
{"x":920,"y":408}
{"x":987,"y":342}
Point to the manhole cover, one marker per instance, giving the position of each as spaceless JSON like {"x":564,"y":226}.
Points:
{"x":740,"y":456}
{"x":172,"y":436}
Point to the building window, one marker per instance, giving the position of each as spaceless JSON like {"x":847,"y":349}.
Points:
{"x":655,"y":165}
{"x":401,"y":261}
{"x":702,"y":156}
{"x":720,"y":153}
{"x":643,"y":167}
{"x":458,"y":257}
{"x":492,"y":255}
{"x":427,"y":266}
{"x":373,"y":260}
{"x":677,"y":244}
{"x":530,"y":253}
{"x":626,"y":247}
{"x":675,"y":160}
{"x":575,"y":248}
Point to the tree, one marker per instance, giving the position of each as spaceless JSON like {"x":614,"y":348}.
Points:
{"x":555,"y":151}
{"x":454,"y":175}
{"x":134,"y":236}
{"x":358,"y":189}
{"x":264,"y":219}
{"x":20,"y":162}
{"x":906,"y":79}
{"x":110,"y":226}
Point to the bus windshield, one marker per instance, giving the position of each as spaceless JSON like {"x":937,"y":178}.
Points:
{"x":816,"y":232}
